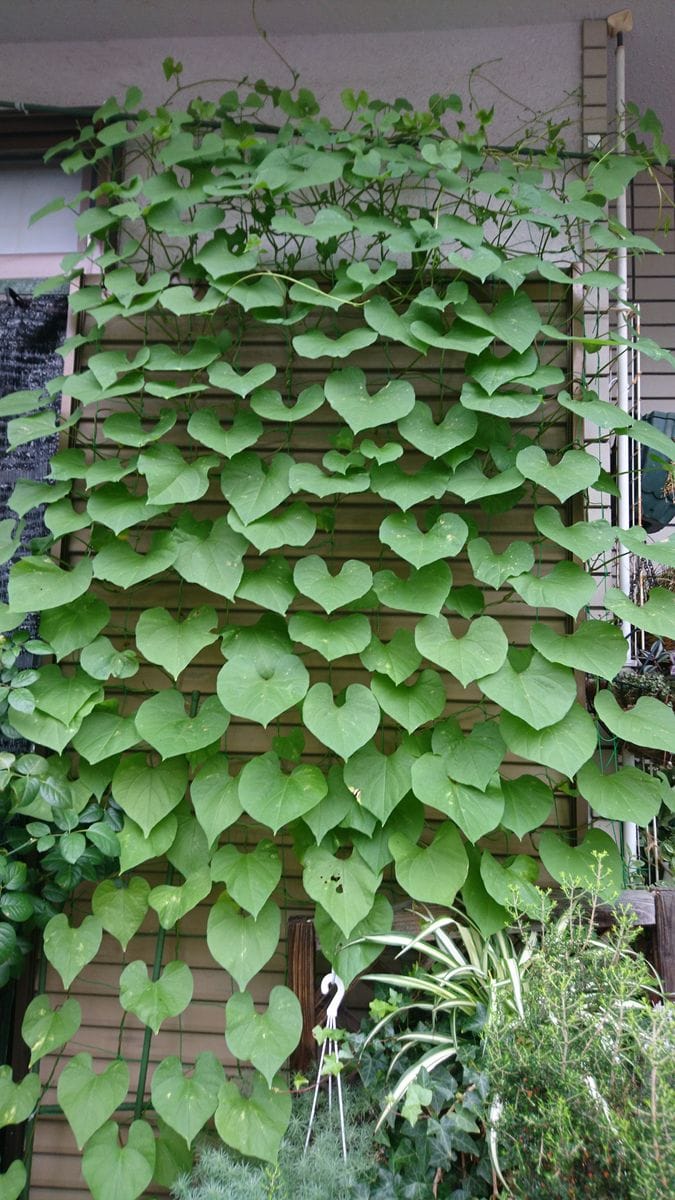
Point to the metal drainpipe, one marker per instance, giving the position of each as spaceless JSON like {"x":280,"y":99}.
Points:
{"x":618,"y":24}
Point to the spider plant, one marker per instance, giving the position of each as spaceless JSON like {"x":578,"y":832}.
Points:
{"x":460,"y":973}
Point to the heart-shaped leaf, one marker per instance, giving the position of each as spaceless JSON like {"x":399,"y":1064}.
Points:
{"x":492,"y":371}
{"x":254,"y":1125}
{"x":386,"y":321}
{"x":210,"y":555}
{"x":101,"y":660}
{"x":345,"y":727}
{"x":307,"y":477}
{"x":512,"y":404}
{"x":114,"y":506}
{"x":187,"y":1102}
{"x":595,"y":865}
{"x":270,"y":587}
{"x":649,"y":723}
{"x":137,"y":847}
{"x":173,"y":644}
{"x":596,"y":647}
{"x":89,"y":1099}
{"x":411,"y":704}
{"x":242,"y":944}
{"x":115,"y":1172}
{"x":172,"y":902}
{"x":120,"y":564}
{"x":17,"y":1100}
{"x":461,"y":336}
{"x":564,"y":747}
{"x":44,"y":1028}
{"x":254,"y":489}
{"x":444,"y":540}
{"x":223,"y":375}
{"x":457,"y":427}
{"x":261,"y":692}
{"x":471,"y":757}
{"x":657,"y":615}
{"x":623,"y":795}
{"x":424,"y":591}
{"x":172,"y":480}
{"x":482,"y":909}
{"x":250,"y":877}
{"x":482,"y":648}
{"x":527,"y":803}
{"x":13,"y":1181}
{"x":513,"y":885}
{"x":103,"y":734}
{"x":567,"y":587}
{"x":540,"y":693}
{"x":380,"y":781}
{"x":244,"y":431}
{"x":432,"y":874}
{"x":349,"y":958}
{"x":331,"y":639}
{"x":477,"y":812}
{"x":347,"y":393}
{"x":585,"y":539}
{"x":495,"y":569}
{"x":74,"y":625}
{"x":345,"y":887}
{"x":335,"y":806}
{"x":316,"y":345}
{"x":513,"y":320}
{"x":215,"y":797}
{"x":149,"y":793}
{"x":127,"y":428}
{"x":121,"y":906}
{"x":274,"y":798}
{"x":264,"y":1039}
{"x":313,"y":579}
{"x":635,"y":540}
{"x":70,"y":949}
{"x":293,"y":526}
{"x":190,"y":850}
{"x":163,"y":722}
{"x":271,"y":406}
{"x":405,"y":489}
{"x":576,"y":471}
{"x":261,"y":643}
{"x":36,"y":583}
{"x":397,"y":658}
{"x":155,"y":1001}
{"x":470,"y":483}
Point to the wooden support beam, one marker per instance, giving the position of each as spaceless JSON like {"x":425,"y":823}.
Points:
{"x":301,"y":959}
{"x":665,"y":938}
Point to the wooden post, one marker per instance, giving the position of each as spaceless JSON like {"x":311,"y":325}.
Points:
{"x":665,"y":938}
{"x":301,"y":956}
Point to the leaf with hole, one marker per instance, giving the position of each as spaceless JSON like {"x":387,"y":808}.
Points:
{"x":445,"y":539}
{"x":121,"y":906}
{"x":148,"y":793}
{"x":155,"y":1001}
{"x":343,"y":727}
{"x":250,"y":877}
{"x":344,"y":887}
{"x":44,"y":1028}
{"x":174,"y":643}
{"x":274,"y":798}
{"x":433,"y":438}
{"x":471,"y":757}
{"x":648,"y":723}
{"x":69,"y":949}
{"x":411,"y":704}
{"x":379,"y":781}
{"x":347,"y":393}
{"x":331,"y":639}
{"x":535,"y":690}
{"x":264,"y":1039}
{"x":254,"y":1124}
{"x":595,"y":865}
{"x":163,"y":722}
{"x":477,"y":811}
{"x":115,"y":1172}
{"x":187,"y":1101}
{"x":527,"y":803}
{"x":242,"y":944}
{"x":596,"y":647}
{"x":295,"y":525}
{"x":576,"y":471}
{"x":88,"y":1098}
{"x":17,"y":1100}
{"x":432,"y":874}
{"x":210,"y":555}
{"x":262,"y":692}
{"x":494,"y":569}
{"x":244,"y":431}
{"x":313,"y":579}
{"x":482,"y":648}
{"x":424,"y":591}
{"x":585,"y":539}
{"x":564,"y":747}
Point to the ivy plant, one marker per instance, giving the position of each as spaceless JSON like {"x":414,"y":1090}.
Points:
{"x":325,"y":322}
